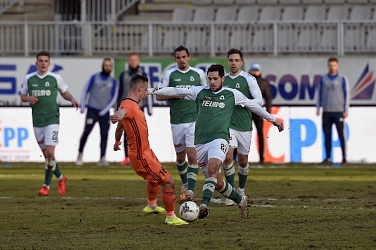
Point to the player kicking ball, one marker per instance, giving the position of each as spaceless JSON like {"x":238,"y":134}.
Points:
{"x":143,"y":160}
{"x":216,"y":104}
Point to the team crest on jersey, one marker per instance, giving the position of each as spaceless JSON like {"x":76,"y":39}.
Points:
{"x":207,"y":97}
{"x":237,"y":85}
{"x":47,"y":84}
{"x":191,"y":78}
{"x":222,"y":97}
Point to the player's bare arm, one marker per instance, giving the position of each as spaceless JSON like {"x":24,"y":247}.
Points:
{"x":118,"y":134}
{"x":29,"y":99}
{"x":118,"y":116}
{"x":68,"y":96}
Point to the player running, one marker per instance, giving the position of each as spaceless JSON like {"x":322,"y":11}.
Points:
{"x":183,"y":114}
{"x":40,"y":89}
{"x":142,"y":157}
{"x":241,"y":121}
{"x":216,"y":104}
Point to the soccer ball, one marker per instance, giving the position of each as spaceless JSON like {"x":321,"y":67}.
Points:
{"x":189,"y":211}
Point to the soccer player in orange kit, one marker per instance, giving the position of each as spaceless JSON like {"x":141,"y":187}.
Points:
{"x":142,"y":158}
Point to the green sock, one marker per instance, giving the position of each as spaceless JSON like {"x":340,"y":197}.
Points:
{"x":192,"y":176}
{"x":57,"y":171}
{"x":229,"y":171}
{"x":183,"y":171}
{"x":48,"y":175}
{"x":208,"y":189}
{"x":243,"y":174}
{"x":228,"y":192}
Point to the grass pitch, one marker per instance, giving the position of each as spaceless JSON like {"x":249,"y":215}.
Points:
{"x":294,"y":207}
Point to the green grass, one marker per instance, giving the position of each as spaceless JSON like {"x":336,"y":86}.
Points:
{"x":294,"y":207}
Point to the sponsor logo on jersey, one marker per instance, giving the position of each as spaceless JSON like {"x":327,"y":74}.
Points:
{"x":47,"y":84}
{"x":178,"y":145}
{"x":184,"y":86}
{"x":191,"y":78}
{"x":364,"y":87}
{"x":34,"y":85}
{"x":177,"y":80}
{"x":213,"y":104}
{"x":208,"y":97}
{"x":41,"y":92}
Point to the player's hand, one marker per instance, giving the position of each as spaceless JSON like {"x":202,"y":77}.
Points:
{"x":75,"y":103}
{"x":114,"y":118}
{"x":279,"y":125}
{"x":345,"y":115}
{"x":116,"y":145}
{"x":317,"y":113}
{"x":32,"y":99}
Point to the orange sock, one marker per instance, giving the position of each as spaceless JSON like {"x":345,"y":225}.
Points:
{"x":168,"y":199}
{"x":153,"y":190}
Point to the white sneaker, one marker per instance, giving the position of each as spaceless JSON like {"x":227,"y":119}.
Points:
{"x":229,"y":202}
{"x":102,"y":162}
{"x":79,"y":159}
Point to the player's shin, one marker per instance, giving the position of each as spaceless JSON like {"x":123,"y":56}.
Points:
{"x":49,"y":171}
{"x":229,"y":192}
{"x":168,"y":199}
{"x":183,"y":169}
{"x":243,"y":174}
{"x":152,"y":190}
{"x":57,"y":172}
{"x":229,"y":171}
{"x":208,"y":189}
{"x":192,"y":176}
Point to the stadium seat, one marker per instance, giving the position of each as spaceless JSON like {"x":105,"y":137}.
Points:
{"x":312,"y":1}
{"x":241,"y":38}
{"x":328,"y":41}
{"x":339,"y":12}
{"x":197,"y":39}
{"x":172,"y":37}
{"x":245,"y":2}
{"x":182,"y":15}
{"x":358,"y":1}
{"x":308,"y":40}
{"x":223,"y":2}
{"x":371,"y":39}
{"x":248,"y":13}
{"x":291,"y":13}
{"x":270,"y":13}
{"x":222,"y":31}
{"x":360,"y":12}
{"x":288,"y":2}
{"x":263,"y":39}
{"x":335,"y":1}
{"x":267,"y":2}
{"x":315,"y":13}
{"x":203,"y":14}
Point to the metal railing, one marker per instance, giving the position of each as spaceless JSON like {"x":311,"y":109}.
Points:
{"x":213,"y":38}
{"x":7,"y":4}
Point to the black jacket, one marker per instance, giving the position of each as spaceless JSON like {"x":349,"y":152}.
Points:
{"x":265,"y":91}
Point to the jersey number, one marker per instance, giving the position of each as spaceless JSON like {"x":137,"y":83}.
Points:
{"x":223,"y":148}
{"x":55,"y":135}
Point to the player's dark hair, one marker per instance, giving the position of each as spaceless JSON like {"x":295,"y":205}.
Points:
{"x":43,"y":53}
{"x":217,"y":68}
{"x":235,"y":51}
{"x":333,"y":59}
{"x":181,"y":48}
{"x":137,"y":80}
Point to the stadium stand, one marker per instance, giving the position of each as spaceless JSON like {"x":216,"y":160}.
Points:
{"x":204,"y":26}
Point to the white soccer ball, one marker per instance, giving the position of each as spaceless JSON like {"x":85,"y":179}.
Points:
{"x":189,"y":211}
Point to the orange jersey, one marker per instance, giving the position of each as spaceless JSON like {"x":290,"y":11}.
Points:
{"x":136,"y":129}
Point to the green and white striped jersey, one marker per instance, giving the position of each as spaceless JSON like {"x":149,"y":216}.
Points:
{"x":241,"y":119}
{"x":46,"y":110}
{"x":215,"y":110}
{"x":181,"y":110}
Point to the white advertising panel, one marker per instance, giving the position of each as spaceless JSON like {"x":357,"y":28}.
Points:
{"x":302,"y":140}
{"x":294,"y":81}
{"x":75,"y":72}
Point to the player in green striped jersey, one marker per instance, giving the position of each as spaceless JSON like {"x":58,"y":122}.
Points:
{"x":216,"y":104}
{"x":241,"y":120}
{"x":183,"y":115}
{"x":40,"y":89}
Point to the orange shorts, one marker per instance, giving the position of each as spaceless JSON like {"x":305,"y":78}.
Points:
{"x":150,"y":168}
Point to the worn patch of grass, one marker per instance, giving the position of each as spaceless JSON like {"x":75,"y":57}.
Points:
{"x":292,"y":207}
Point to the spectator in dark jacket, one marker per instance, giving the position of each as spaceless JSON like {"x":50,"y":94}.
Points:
{"x":264,"y":85}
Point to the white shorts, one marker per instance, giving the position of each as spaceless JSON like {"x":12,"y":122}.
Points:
{"x":183,"y":136}
{"x":241,"y":141}
{"x":214,"y":149}
{"x":47,"y":135}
